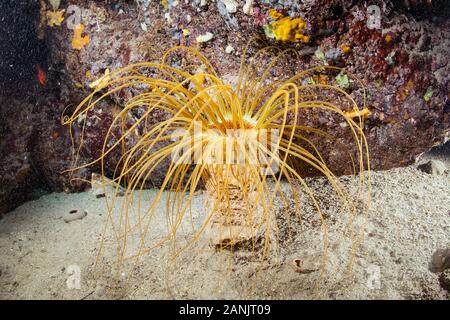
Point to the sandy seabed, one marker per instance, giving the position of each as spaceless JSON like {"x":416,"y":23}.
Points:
{"x":409,"y":220}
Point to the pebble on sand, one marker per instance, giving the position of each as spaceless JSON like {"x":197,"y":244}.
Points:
{"x":433,"y":167}
{"x":74,"y":215}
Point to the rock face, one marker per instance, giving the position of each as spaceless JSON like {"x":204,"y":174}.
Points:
{"x":399,"y":63}
{"x":15,"y":159}
{"x":403,"y":63}
{"x":20,"y":53}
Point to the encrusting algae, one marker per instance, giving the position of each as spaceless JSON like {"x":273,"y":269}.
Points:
{"x":55,"y":18}
{"x":287,"y":28}
{"x":79,"y":41}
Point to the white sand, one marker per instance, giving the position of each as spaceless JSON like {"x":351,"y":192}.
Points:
{"x":409,"y":219}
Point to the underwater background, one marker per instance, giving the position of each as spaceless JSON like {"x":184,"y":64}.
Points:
{"x":52,"y":51}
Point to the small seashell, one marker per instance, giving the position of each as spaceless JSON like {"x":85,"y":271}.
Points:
{"x":204,"y":37}
{"x":231,"y":5}
{"x":229,"y":49}
{"x":248,"y":7}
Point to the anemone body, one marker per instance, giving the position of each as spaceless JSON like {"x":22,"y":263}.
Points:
{"x":240,"y":141}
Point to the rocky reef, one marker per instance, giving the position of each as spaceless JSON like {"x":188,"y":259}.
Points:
{"x":399,"y":49}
